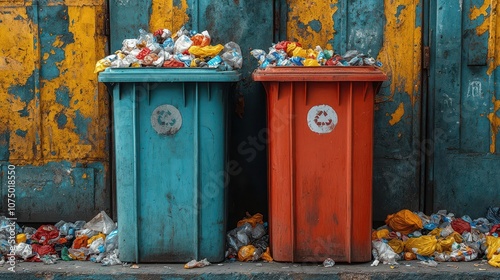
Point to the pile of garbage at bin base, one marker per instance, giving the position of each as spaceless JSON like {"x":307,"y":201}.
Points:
{"x":287,"y":53}
{"x":162,"y":48}
{"x":96,"y":240}
{"x":440,"y":237}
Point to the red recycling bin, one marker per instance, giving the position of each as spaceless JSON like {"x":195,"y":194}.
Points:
{"x":320,"y":122}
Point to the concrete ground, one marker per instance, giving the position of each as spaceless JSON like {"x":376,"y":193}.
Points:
{"x":407,"y":270}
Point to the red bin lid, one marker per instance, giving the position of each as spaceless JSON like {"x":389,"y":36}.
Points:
{"x":319,"y":74}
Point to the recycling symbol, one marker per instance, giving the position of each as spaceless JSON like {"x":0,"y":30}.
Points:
{"x":322,"y":119}
{"x":166,"y":120}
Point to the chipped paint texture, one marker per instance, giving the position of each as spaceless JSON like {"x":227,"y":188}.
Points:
{"x":168,"y":14}
{"x":398,"y":114}
{"x":66,"y":116}
{"x":17,"y":64}
{"x":488,"y":13}
{"x":494,"y":123}
{"x":311,"y":22}
{"x":401,"y":50}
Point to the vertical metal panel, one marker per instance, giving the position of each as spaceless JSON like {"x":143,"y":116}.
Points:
{"x":55,"y":114}
{"x":464,"y":114}
{"x":391,"y":32}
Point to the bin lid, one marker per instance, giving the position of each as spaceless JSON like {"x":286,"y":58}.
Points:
{"x":143,"y":74}
{"x":319,"y":74}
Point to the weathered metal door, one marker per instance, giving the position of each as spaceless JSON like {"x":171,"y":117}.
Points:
{"x":53,"y":115}
{"x":463,"y":174}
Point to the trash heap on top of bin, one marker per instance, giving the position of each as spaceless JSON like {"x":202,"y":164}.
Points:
{"x":96,"y":241}
{"x":440,"y":237}
{"x":287,"y":53}
{"x":185,"y":48}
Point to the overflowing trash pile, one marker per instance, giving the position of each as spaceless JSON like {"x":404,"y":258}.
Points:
{"x":440,"y":237}
{"x":249,"y":241}
{"x":96,"y":241}
{"x":185,"y":48}
{"x":286,"y":53}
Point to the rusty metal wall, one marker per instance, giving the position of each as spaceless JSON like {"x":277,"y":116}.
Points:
{"x":54,"y":119}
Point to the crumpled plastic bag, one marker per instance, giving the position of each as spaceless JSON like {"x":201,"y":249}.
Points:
{"x":238,"y":237}
{"x":493,"y":244}
{"x":111,"y":259}
{"x":232,"y":55}
{"x":195,"y":264}
{"x":404,"y":221}
{"x":23,"y":250}
{"x":460,"y":225}
{"x":383,"y":252}
{"x":46,"y":234}
{"x":246,"y":253}
{"x":396,"y":245}
{"x":252,"y":220}
{"x":206,"y":51}
{"x":380,"y":234}
{"x":101,"y":223}
{"x":424,"y":245}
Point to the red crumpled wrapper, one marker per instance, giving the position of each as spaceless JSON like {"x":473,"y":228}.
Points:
{"x":460,"y":225}
{"x":46,"y":234}
{"x":173,"y":63}
{"x":43,"y":250}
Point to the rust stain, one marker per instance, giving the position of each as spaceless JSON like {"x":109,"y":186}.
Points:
{"x":302,"y":18}
{"x":167,"y":15}
{"x":401,"y":50}
{"x":397,"y":115}
{"x":494,"y":123}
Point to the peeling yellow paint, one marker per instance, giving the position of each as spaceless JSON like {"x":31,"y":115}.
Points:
{"x":490,"y":24}
{"x":16,"y":67}
{"x":398,"y":114}
{"x":401,"y":49}
{"x":76,"y":74}
{"x":46,"y":56}
{"x":167,"y":15}
{"x":303,"y":12}
{"x":494,"y":124}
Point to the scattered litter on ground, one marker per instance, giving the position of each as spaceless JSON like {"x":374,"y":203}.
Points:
{"x":197,"y":264}
{"x":328,"y":262}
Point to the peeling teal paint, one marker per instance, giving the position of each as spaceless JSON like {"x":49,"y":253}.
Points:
{"x":315,"y":25}
{"x":398,"y":12}
{"x":21,"y":92}
{"x":81,"y":125}
{"x":21,"y":133}
{"x":62,"y":96}
{"x":53,"y":43}
{"x":62,"y":120}
{"x":4,"y":145}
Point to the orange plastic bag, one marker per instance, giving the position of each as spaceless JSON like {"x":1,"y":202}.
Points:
{"x":80,"y":241}
{"x":253,"y":220}
{"x":396,"y":245}
{"x":424,"y":245}
{"x":267,"y":255}
{"x":380,"y":234}
{"x":404,"y":221}
{"x":246,"y":253}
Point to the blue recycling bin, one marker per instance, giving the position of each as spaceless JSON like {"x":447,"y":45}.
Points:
{"x":170,"y":127}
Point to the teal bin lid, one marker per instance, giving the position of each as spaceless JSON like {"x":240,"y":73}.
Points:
{"x":143,"y":74}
